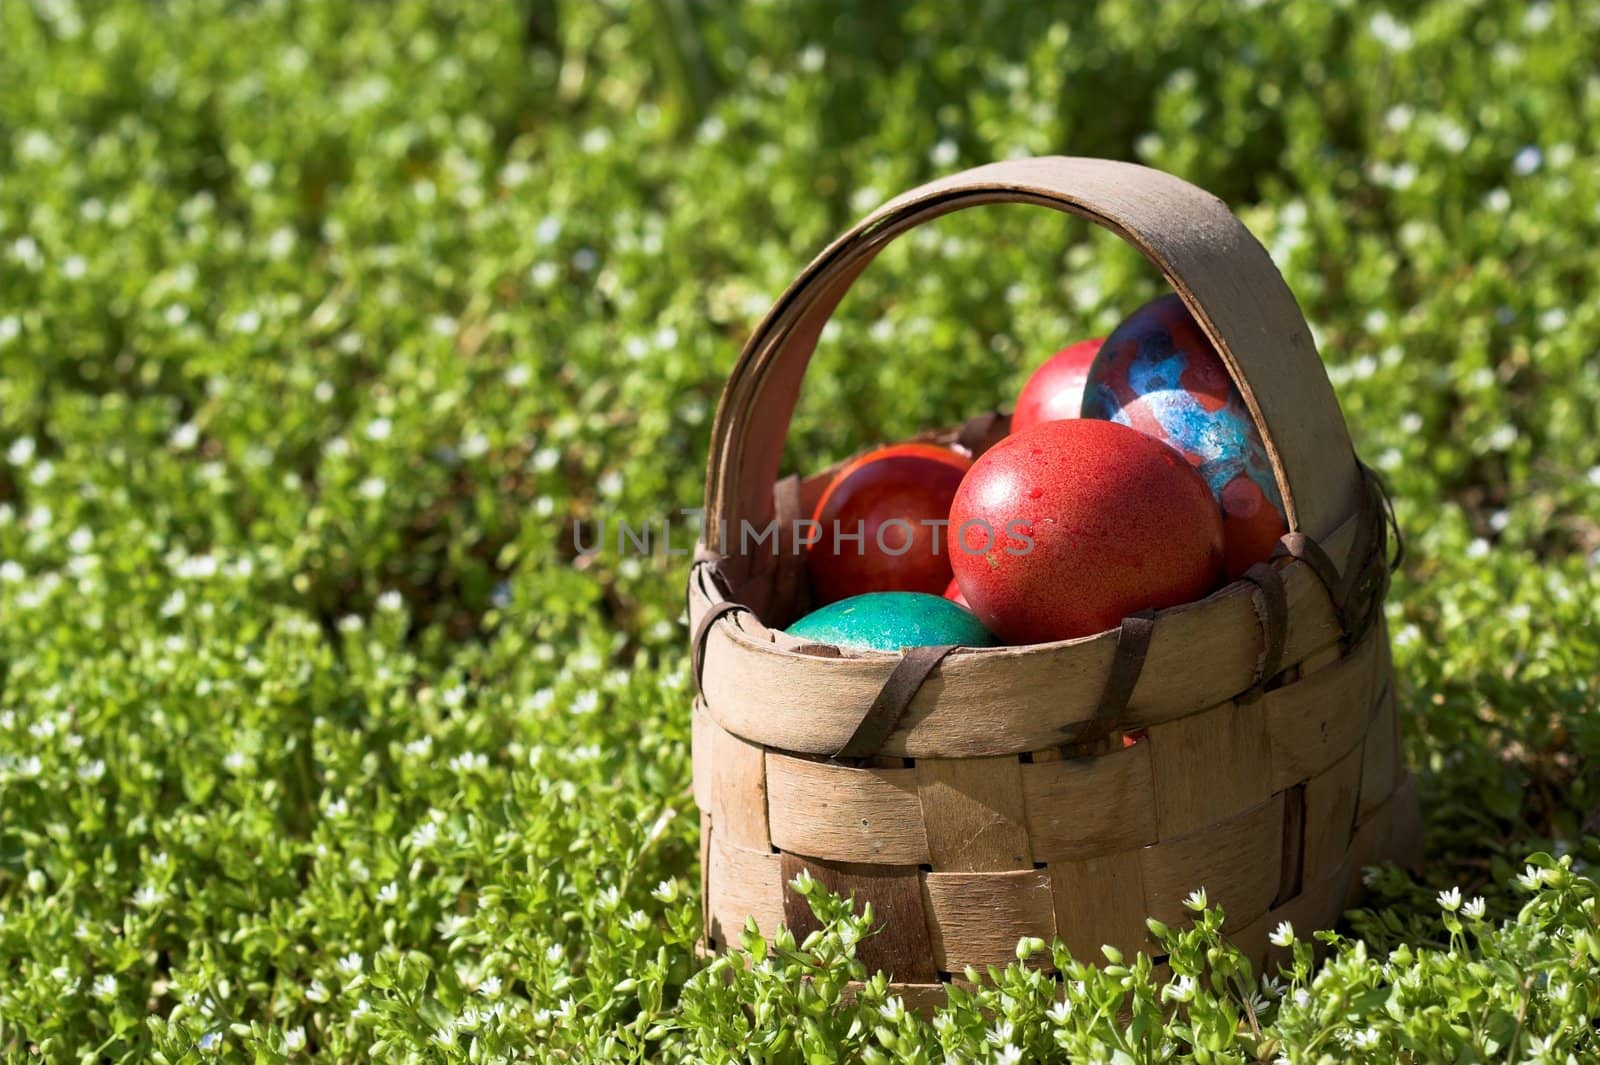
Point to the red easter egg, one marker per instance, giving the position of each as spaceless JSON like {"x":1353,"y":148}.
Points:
{"x":1091,"y":521}
{"x":897,"y":499}
{"x":952,"y":592}
{"x":1055,"y":391}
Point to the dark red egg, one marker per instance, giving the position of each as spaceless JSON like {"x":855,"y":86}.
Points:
{"x":1160,"y":374}
{"x":1066,"y":528}
{"x":1055,"y":391}
{"x":881,"y":523}
{"x":952,"y":592}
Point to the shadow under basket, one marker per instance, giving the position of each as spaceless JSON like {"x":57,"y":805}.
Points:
{"x":1246,"y":743}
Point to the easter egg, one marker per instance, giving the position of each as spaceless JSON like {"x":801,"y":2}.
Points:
{"x":889,"y":621}
{"x":1064,"y":529}
{"x":880,"y":523}
{"x":1158,"y":373}
{"x":952,"y":592}
{"x":1055,"y":391}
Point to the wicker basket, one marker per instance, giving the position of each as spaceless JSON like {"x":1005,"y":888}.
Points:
{"x":977,"y":796}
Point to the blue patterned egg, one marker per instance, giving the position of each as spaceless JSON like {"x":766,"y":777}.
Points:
{"x":1159,"y":374}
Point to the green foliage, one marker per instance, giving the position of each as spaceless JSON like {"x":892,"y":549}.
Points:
{"x":322,"y":323}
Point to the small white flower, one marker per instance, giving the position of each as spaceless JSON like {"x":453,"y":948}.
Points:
{"x":1391,"y":34}
{"x":389,"y":893}
{"x":379,"y":429}
{"x":489,"y":987}
{"x":425,"y":836}
{"x":295,"y":1040}
{"x":198,"y":567}
{"x":390,"y":601}
{"x":1527,"y":161}
{"x":1475,"y":908}
{"x":21,"y":451}
{"x":104,"y":987}
{"x":1283,"y":935}
{"x":1365,"y":1040}
{"x":372,"y":488}
{"x":468,"y":762}
{"x":184,"y":436}
{"x":554,"y":953}
{"x":1531,"y":878}
{"x":1059,"y":1012}
{"x":1010,"y":1055}
{"x":1196,"y":900}
{"x":1450,"y":901}
{"x":350,"y":964}
{"x":1180,"y":990}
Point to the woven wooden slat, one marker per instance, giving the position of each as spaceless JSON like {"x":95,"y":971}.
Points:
{"x":1389,"y":832}
{"x":1100,"y":901}
{"x":977,"y":918}
{"x":901,"y":947}
{"x":730,"y":782}
{"x":1330,"y":817}
{"x":844,"y":813}
{"x":1319,"y":905}
{"x":1235,"y":861}
{"x":1381,"y":758}
{"x":973,"y":813}
{"x":741,"y":883}
{"x":1315,"y":721}
{"x":1082,"y":807}
{"x":1195,"y":766}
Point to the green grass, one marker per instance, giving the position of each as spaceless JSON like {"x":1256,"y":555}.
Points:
{"x":321,"y":322}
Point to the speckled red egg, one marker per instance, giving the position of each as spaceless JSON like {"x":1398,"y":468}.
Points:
{"x":1064,"y":529}
{"x":1055,"y":391}
{"x":1158,"y":373}
{"x":897,"y":499}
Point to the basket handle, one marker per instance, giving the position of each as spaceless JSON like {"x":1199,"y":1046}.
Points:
{"x":1211,"y":260}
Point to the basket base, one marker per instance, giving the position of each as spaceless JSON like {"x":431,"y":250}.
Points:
{"x":1392,"y":833}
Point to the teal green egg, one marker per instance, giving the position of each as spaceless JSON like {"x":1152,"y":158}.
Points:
{"x":890,"y":621}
